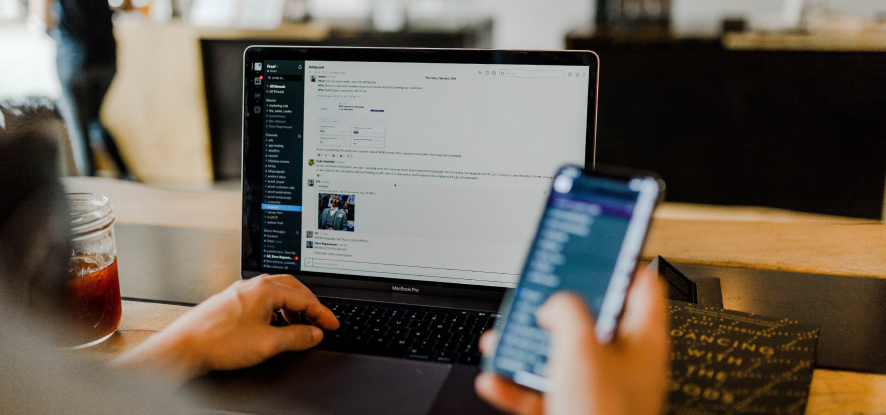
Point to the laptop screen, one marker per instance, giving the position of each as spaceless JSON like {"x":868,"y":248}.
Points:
{"x":421,"y":169}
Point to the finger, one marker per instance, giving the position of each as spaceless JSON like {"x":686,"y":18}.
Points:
{"x":325,"y":319}
{"x":508,"y":396}
{"x":291,"y":317}
{"x":322,"y":316}
{"x":488,"y":341}
{"x":567,"y":318}
{"x":302,"y":301}
{"x":645,"y":316}
{"x":297,"y":337}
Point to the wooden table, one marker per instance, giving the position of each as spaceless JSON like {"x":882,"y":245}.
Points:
{"x":732,"y":236}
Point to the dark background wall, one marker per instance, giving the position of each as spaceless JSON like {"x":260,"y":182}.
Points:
{"x":795,"y":130}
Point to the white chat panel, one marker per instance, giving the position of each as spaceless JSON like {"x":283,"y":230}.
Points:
{"x":463,"y":172}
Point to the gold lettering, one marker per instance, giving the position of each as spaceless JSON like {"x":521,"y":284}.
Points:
{"x":692,"y":390}
{"x":707,"y":373}
{"x":728,"y":398}
{"x":767,"y":351}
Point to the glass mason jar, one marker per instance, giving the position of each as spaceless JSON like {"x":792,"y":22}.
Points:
{"x":92,"y":294}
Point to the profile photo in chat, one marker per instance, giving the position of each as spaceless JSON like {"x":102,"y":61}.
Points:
{"x":313,"y":78}
{"x":310,"y":162}
{"x":310,"y":182}
{"x":309,"y":244}
{"x":310,"y":234}
{"x":336,"y":212}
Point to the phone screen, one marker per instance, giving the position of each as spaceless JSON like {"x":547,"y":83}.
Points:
{"x":588,"y":242}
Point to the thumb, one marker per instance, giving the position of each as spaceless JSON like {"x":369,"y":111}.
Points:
{"x":569,"y":321}
{"x":645,"y":317}
{"x":297,"y":337}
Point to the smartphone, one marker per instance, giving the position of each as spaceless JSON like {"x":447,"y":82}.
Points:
{"x":588,"y":242}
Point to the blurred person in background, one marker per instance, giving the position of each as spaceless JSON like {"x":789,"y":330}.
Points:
{"x":87,"y":61}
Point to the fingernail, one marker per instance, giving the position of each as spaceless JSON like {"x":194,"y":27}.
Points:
{"x":317,"y":333}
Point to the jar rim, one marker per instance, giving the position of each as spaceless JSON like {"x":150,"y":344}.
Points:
{"x":89,"y":212}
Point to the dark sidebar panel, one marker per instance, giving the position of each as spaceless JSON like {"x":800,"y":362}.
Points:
{"x":279,"y":97}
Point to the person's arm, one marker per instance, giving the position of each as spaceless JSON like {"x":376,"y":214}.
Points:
{"x":628,"y":376}
{"x":232,"y":330}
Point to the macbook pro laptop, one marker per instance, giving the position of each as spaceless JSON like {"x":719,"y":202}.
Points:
{"x":403,"y":187}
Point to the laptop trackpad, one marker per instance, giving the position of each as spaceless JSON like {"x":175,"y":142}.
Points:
{"x":318,"y":382}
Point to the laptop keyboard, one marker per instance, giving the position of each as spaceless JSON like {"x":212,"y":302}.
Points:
{"x":411,"y":332}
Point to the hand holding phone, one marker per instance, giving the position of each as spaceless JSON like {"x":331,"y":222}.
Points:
{"x":588,"y":242}
{"x":628,"y":376}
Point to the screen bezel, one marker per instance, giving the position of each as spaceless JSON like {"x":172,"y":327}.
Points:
{"x":251,"y":178}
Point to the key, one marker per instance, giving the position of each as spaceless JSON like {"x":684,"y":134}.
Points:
{"x":462,"y":329}
{"x":419,"y":334}
{"x":424,"y":344}
{"x":415,"y":315}
{"x":394,"y":313}
{"x":446,"y":357}
{"x":478,"y":330}
{"x":441,"y":327}
{"x":398,"y":332}
{"x":355,"y":309}
{"x":435,"y":317}
{"x":440,"y":336}
{"x":379,"y":342}
{"x":420,"y":354}
{"x":476,"y":320}
{"x":377,"y":330}
{"x":469,"y":359}
{"x":378,"y":321}
{"x":455,"y":318}
{"x":448,"y":346}
{"x":335,"y":308}
{"x":357,"y":319}
{"x":356,"y":328}
{"x":419,"y":324}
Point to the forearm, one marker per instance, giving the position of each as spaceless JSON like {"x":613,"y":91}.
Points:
{"x":232,"y":330}
{"x":164,"y":354}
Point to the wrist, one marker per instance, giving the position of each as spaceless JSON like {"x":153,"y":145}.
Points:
{"x":171,"y":356}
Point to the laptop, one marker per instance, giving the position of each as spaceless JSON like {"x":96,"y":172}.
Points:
{"x":403,"y":187}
